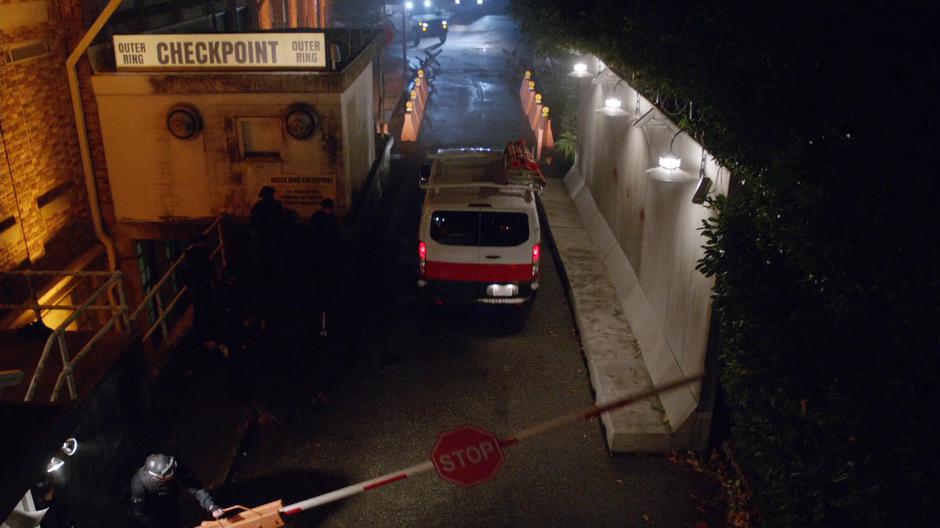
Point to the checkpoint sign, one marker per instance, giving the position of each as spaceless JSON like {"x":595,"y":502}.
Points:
{"x":467,"y":455}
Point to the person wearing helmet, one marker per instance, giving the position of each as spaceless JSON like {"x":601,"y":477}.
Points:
{"x":155,"y":488}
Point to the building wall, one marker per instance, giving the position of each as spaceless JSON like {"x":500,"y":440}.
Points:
{"x":41,"y":184}
{"x":359,"y":140}
{"x":154,"y":177}
{"x":648,"y":230}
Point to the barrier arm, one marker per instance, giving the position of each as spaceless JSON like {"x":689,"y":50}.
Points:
{"x":273,"y":515}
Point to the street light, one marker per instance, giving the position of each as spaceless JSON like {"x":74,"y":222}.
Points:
{"x":409,"y":6}
{"x":427,"y":3}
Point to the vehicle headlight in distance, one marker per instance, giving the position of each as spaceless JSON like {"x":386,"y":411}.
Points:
{"x":444,"y":24}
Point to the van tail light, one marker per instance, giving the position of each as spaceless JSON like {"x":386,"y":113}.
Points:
{"x":422,"y":257}
{"x":536,"y":256}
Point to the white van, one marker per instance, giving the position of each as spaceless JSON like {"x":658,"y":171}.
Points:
{"x":479,"y":238}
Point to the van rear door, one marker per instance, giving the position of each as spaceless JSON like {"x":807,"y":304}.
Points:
{"x":453,"y":245}
{"x":506,"y":246}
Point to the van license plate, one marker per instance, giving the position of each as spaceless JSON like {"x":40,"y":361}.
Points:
{"x":502,"y":290}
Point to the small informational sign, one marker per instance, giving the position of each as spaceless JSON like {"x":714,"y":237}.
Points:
{"x":220,"y":51}
{"x":303,"y":193}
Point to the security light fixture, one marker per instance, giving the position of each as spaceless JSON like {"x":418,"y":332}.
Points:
{"x":427,"y":3}
{"x":479,"y":2}
{"x":669,"y":169}
{"x":669,"y":161}
{"x":580,"y":70}
{"x":409,"y":5}
{"x":457,"y":2}
{"x":612,"y":107}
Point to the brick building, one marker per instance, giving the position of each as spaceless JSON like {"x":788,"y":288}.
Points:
{"x":44,"y":218}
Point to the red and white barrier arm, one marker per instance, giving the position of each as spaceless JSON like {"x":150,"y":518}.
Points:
{"x":355,"y":489}
{"x":539,"y":429}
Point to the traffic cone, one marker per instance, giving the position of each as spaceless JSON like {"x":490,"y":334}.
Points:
{"x":524,"y":87}
{"x":409,"y":130}
{"x":535,"y":113}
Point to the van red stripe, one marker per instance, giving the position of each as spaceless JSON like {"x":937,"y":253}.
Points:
{"x":454,"y":271}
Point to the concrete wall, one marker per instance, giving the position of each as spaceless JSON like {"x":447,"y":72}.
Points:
{"x":647,"y":230}
{"x":358,"y":111}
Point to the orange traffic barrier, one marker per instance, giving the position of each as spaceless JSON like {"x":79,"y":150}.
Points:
{"x":529,"y":98}
{"x":409,"y":130}
{"x":524,"y":87}
{"x":418,"y":106}
{"x":421,"y":85}
{"x":535,"y":112}
{"x":543,"y":133}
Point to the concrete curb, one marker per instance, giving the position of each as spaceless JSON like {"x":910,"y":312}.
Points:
{"x":613,"y":358}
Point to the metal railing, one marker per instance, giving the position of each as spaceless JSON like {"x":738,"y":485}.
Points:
{"x":118,"y":311}
{"x":118,"y":308}
{"x":154,"y":293}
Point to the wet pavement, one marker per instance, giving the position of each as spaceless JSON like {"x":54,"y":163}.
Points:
{"x":393,"y":375}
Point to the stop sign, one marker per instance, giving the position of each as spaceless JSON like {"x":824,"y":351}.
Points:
{"x":467,"y":455}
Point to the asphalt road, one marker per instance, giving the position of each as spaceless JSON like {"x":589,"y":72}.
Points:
{"x":396,"y":375}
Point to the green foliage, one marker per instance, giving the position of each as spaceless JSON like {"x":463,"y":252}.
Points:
{"x":825,"y":252}
{"x":567,"y":145}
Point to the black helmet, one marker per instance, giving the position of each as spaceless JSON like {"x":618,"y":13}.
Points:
{"x":160,"y":466}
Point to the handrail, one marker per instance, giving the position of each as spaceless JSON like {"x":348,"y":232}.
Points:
{"x":119,"y":311}
{"x":153,"y":294}
{"x":116,"y":276}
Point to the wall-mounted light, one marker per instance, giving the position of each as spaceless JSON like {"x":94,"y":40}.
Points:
{"x":479,"y":2}
{"x":409,"y":5}
{"x":669,"y":167}
{"x":613,"y":107}
{"x":579,"y":70}
{"x":669,"y":161}
{"x":427,"y":3}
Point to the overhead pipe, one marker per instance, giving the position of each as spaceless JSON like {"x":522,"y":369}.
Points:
{"x":79,"y":110}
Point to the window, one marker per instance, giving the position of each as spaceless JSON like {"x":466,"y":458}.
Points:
{"x":260,"y":137}
{"x":504,"y":229}
{"x":470,"y":228}
{"x":456,"y":228}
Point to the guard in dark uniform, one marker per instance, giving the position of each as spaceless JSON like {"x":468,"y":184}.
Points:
{"x":155,"y":489}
